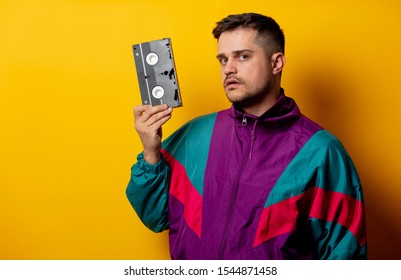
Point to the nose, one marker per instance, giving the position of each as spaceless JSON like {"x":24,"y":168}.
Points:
{"x":230,"y":67}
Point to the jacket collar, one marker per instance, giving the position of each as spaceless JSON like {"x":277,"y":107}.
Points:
{"x":282,"y":114}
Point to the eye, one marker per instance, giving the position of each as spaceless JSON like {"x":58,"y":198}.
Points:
{"x":223,"y":60}
{"x":243,"y":57}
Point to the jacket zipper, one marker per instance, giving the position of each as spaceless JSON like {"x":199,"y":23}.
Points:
{"x":230,"y":213}
{"x":253,"y":137}
{"x":236,"y":186}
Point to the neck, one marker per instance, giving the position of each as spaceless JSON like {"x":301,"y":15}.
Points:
{"x":263,"y":105}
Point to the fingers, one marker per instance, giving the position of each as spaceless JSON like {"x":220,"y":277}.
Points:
{"x":151,"y":114}
{"x":163,"y":119}
{"x":149,"y":119}
{"x":140,"y":109}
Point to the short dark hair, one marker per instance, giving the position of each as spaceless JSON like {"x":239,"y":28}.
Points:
{"x":270,"y":36}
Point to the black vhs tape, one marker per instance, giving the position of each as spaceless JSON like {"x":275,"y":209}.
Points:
{"x":157,"y":74}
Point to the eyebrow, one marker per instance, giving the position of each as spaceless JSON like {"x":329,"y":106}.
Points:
{"x":235,"y":53}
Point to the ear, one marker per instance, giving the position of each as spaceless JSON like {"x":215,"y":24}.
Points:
{"x":278,"y":62}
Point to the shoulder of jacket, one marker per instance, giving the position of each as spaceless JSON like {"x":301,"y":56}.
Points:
{"x":325,"y":142}
{"x":200,"y":122}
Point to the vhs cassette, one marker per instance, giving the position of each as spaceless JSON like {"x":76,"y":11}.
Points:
{"x":156,"y":71}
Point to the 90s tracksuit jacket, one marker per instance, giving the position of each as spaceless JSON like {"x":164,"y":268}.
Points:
{"x":236,"y":186}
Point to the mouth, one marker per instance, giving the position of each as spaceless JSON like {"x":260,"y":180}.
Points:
{"x":231,"y":82}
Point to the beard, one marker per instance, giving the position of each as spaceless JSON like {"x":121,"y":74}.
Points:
{"x":246,"y":96}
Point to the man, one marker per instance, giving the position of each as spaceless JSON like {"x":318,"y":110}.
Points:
{"x":256,"y":181}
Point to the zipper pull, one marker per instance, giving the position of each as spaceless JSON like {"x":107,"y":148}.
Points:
{"x":244,"y":122}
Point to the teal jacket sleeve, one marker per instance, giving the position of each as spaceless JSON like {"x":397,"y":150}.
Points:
{"x":147,"y":191}
{"x":338,"y":216}
{"x":329,"y":202}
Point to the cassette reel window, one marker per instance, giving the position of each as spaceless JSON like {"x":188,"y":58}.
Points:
{"x":156,"y":71}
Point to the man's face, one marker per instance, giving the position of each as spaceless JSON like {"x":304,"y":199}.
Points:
{"x":246,"y":69}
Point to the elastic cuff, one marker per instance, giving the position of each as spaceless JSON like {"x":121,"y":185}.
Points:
{"x":151,"y":168}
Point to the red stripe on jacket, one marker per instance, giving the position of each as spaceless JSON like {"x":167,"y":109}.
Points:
{"x":183,"y":190}
{"x":318,"y":203}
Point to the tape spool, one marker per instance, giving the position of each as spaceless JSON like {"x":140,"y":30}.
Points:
{"x":158,"y":92}
{"x":152,"y":58}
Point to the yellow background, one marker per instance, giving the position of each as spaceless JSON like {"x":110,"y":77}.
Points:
{"x":68,"y":86}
